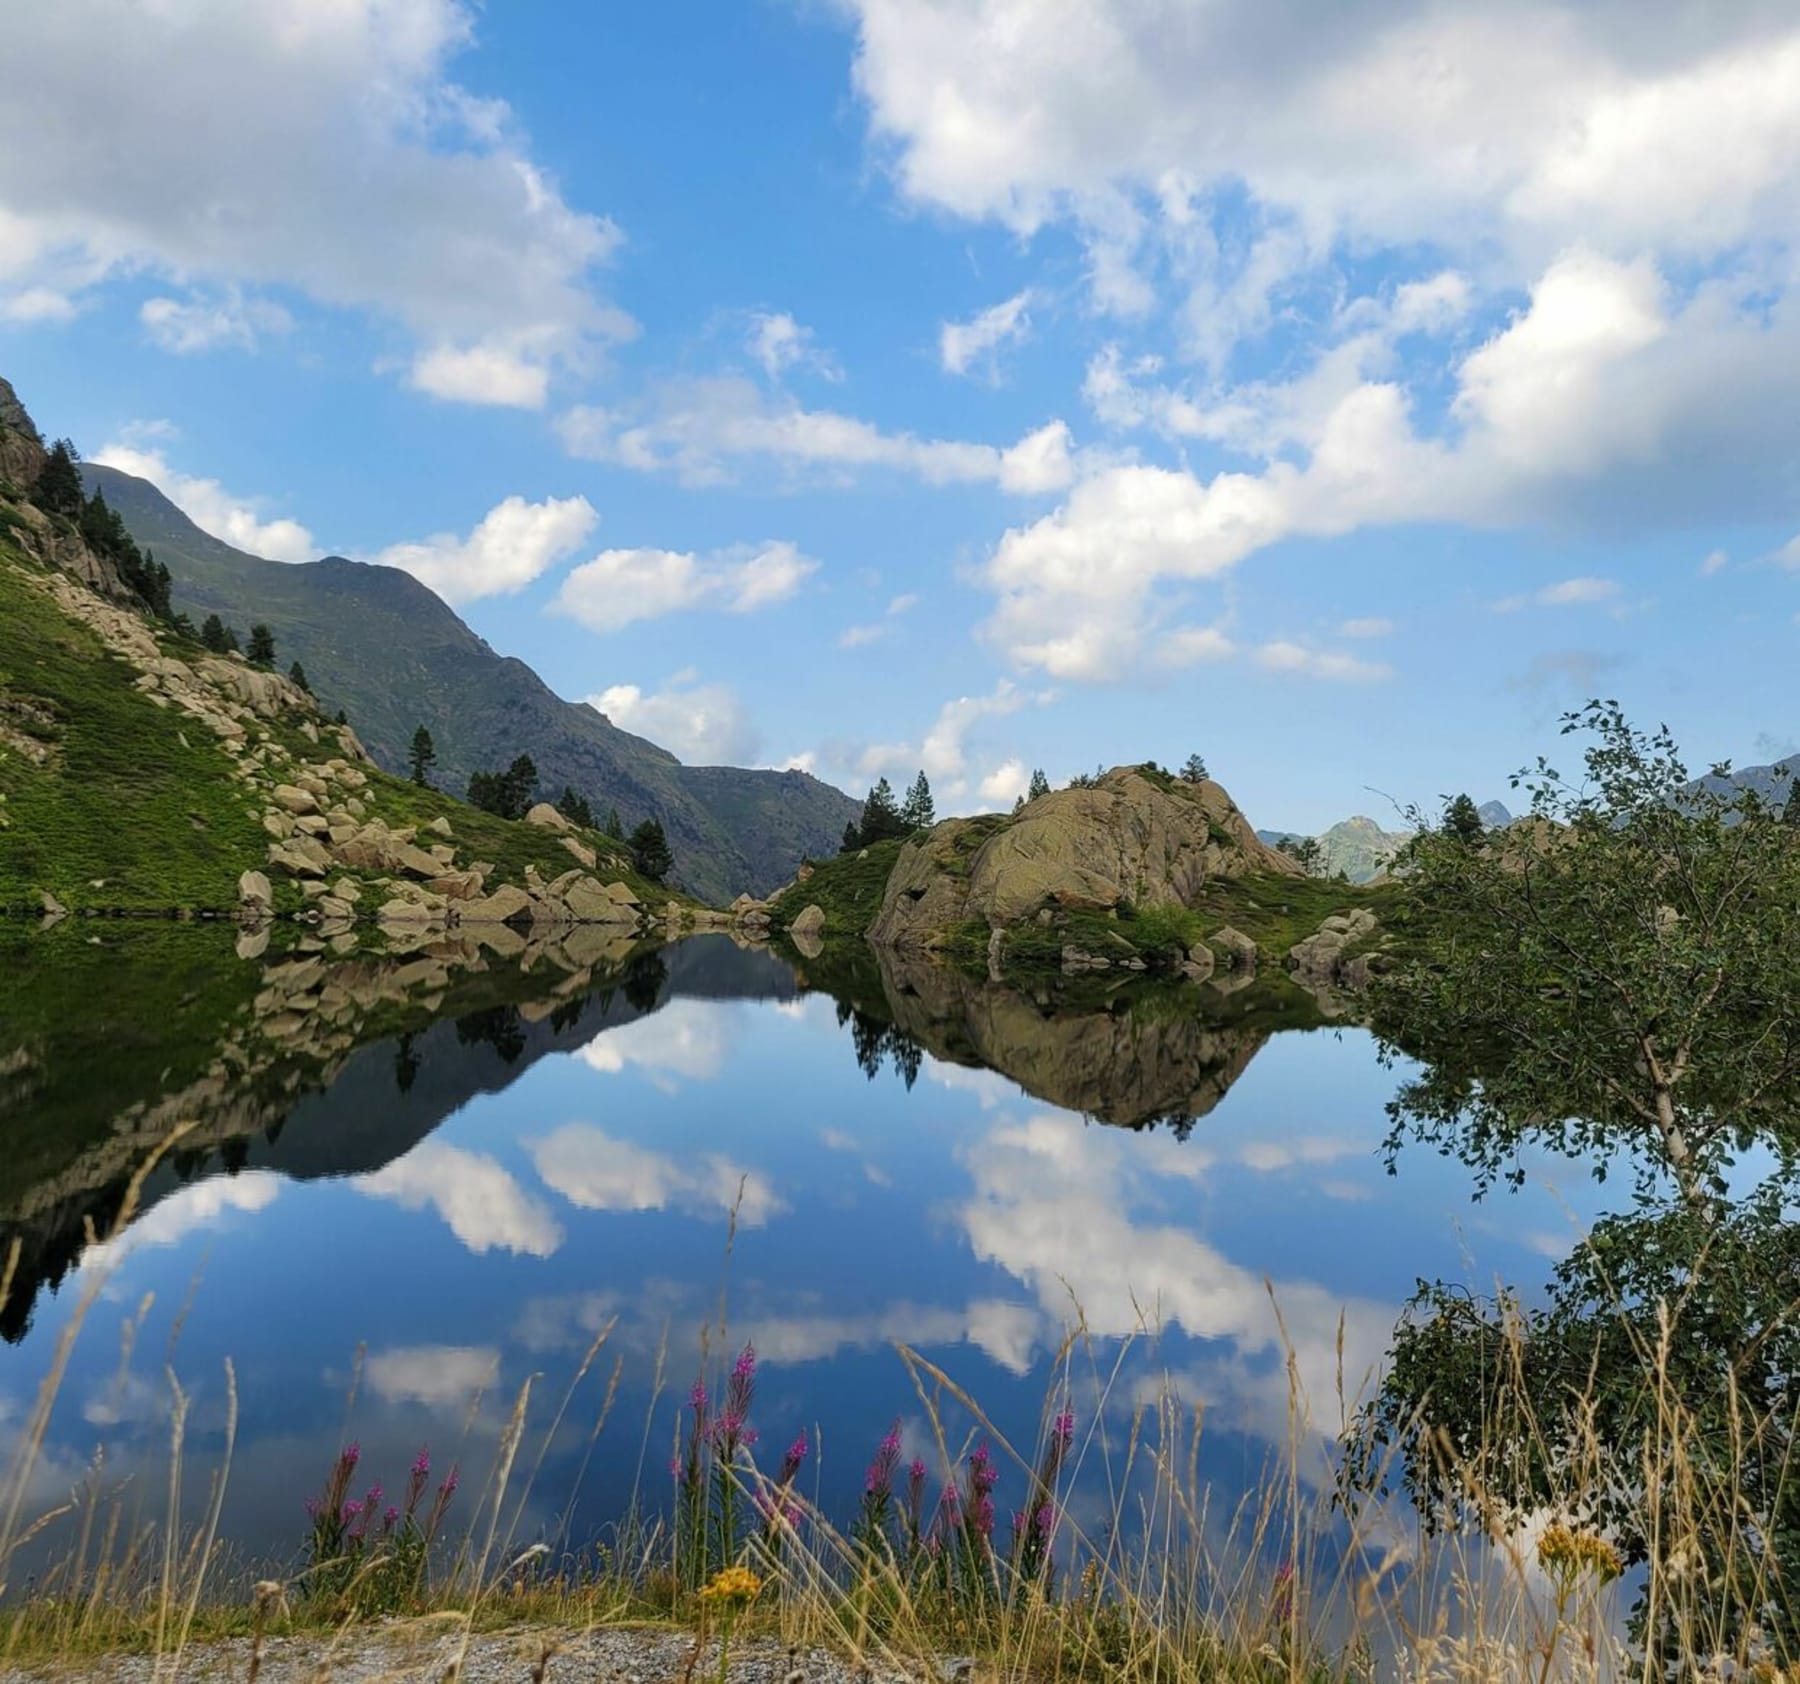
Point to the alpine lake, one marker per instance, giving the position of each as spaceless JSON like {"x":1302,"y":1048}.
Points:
{"x":289,"y":1200}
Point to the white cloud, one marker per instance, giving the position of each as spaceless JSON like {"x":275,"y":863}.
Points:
{"x":478,"y":1199}
{"x":703,"y":431}
{"x":202,"y":324}
{"x":1190,"y":645}
{"x":620,"y":586}
{"x":321,"y":148}
{"x":440,"y":1377}
{"x":1714,"y":561}
{"x":514,"y":543}
{"x":1284,"y":656}
{"x":212,"y":508}
{"x":1367,"y":626}
{"x":189,"y":1210}
{"x":1565,"y":593}
{"x":689,"y":1038}
{"x":779,"y":343}
{"x":944,"y":753}
{"x":904,"y":603}
{"x":858,"y":637}
{"x":595,"y":1171}
{"x":965,"y":345}
{"x":702,"y":724}
{"x":497,"y":374}
{"x":1491,"y":127}
{"x":38,"y":304}
{"x":1005,"y":784}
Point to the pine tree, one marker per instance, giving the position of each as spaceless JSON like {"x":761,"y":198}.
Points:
{"x":1193,"y":770}
{"x":1040,"y":785}
{"x":852,"y":839}
{"x":520,"y":782}
{"x":614,"y":828}
{"x":650,"y":851}
{"x":1462,"y":822}
{"x":57,"y":488}
{"x":424,"y":757}
{"x":217,"y":636}
{"x":342,"y":717}
{"x":297,"y":674}
{"x":919,"y":811}
{"x":262,"y":646}
{"x":881,"y":817}
{"x":575,"y":808}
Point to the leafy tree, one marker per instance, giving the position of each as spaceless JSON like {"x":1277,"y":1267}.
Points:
{"x":1462,"y":822}
{"x":650,"y":851}
{"x":1620,"y":967}
{"x":57,"y":488}
{"x":297,"y":674}
{"x":919,"y":811}
{"x":1193,"y":770}
{"x":262,"y":646}
{"x":1656,"y":1393}
{"x":1040,"y":785}
{"x":217,"y":636}
{"x":614,"y":828}
{"x":575,"y":808}
{"x":424,"y":757}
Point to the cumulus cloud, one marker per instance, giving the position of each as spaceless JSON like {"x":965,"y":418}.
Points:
{"x":474,"y":1194}
{"x":705,"y":431}
{"x":38,"y":304}
{"x":1367,"y":626}
{"x":188,"y":1210}
{"x":440,"y":1377}
{"x":620,"y":586}
{"x":974,"y":344}
{"x":703,"y":724}
{"x":357,"y":174}
{"x":211,"y":507}
{"x":1284,"y":656}
{"x":596,"y":1171}
{"x":514,"y":543}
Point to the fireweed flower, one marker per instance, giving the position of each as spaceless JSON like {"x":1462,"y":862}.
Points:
{"x":1064,"y":1429}
{"x":879,"y":1480}
{"x":790,"y":1463}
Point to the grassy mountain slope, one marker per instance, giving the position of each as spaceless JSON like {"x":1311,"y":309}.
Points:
{"x":377,"y":643}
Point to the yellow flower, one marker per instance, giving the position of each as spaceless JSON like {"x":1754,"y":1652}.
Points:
{"x":1568,"y":1553}
{"x":732,"y":1586}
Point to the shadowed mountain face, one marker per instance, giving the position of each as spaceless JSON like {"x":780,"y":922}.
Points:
{"x":376,"y":643}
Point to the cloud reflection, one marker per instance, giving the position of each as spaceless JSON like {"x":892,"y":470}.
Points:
{"x":594,"y":1170}
{"x":480,"y":1202}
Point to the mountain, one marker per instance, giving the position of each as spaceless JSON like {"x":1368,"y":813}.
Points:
{"x":1357,"y":847}
{"x":381,"y":646}
{"x":1496,"y":815}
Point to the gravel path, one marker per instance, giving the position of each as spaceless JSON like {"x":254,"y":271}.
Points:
{"x":422,"y":1652}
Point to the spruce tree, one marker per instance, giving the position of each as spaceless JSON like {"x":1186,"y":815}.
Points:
{"x":519,"y":784}
{"x":919,"y":812}
{"x":614,"y":828}
{"x":297,"y":674}
{"x":881,"y":817}
{"x":575,"y":808}
{"x":262,"y":646}
{"x":217,"y":636}
{"x":650,"y":851}
{"x":1040,"y":785}
{"x":424,"y":757}
{"x":1462,"y":822}
{"x":57,"y":488}
{"x":852,"y":839}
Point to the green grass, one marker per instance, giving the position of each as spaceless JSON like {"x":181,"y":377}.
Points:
{"x":1276,"y":912}
{"x":846,"y":888}
{"x":136,"y":807}
{"x":136,"y":799}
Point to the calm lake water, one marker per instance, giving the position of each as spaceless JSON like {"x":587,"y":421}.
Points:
{"x":472,"y":1175}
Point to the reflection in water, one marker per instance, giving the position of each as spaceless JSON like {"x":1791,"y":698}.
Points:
{"x":472,"y":1168}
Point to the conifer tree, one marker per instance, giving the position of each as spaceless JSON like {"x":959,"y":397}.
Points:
{"x":881,"y":816}
{"x":575,"y":808}
{"x":1462,"y":822}
{"x":614,"y":828}
{"x":57,"y":489}
{"x":262,"y":646}
{"x":424,"y":757}
{"x":216,"y":636}
{"x":920,"y":811}
{"x":297,"y":674}
{"x":1040,"y":785}
{"x":1193,"y":770}
{"x":650,"y":850}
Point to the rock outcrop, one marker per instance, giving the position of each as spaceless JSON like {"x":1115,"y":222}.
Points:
{"x":1132,"y":836}
{"x":1323,"y":959}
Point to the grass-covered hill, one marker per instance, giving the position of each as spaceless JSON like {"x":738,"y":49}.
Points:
{"x":139,"y":773}
{"x":380,"y":645}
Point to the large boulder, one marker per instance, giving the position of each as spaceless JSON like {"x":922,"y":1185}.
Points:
{"x":1130,"y":836}
{"x":546,"y":817}
{"x":501,"y":907}
{"x":1320,"y":958}
{"x":255,"y":894}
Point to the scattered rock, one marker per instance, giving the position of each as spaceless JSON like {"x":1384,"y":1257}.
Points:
{"x":294,"y":800}
{"x":548,"y":818}
{"x":1240,"y":952}
{"x":255,"y":893}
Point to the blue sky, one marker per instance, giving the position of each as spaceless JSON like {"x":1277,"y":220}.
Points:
{"x":1341,"y":390}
